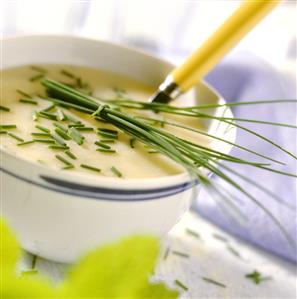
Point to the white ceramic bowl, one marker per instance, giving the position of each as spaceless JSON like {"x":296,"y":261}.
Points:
{"x":59,"y":216}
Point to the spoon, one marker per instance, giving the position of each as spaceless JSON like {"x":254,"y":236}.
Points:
{"x":202,"y":60}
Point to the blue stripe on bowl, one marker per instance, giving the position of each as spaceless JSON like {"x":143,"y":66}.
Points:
{"x":101,"y":193}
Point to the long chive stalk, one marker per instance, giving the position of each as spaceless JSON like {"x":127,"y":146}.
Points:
{"x":189,"y":155}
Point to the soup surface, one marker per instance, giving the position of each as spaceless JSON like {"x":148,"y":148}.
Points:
{"x":24,"y":95}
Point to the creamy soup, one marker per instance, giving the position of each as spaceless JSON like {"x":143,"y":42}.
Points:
{"x":122,"y":159}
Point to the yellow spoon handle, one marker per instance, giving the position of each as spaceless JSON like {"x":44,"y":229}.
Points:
{"x":201,"y":61}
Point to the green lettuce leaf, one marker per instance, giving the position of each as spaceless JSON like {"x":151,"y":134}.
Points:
{"x":121,"y":270}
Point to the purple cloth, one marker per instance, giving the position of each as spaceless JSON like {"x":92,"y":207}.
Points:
{"x":247,"y":78}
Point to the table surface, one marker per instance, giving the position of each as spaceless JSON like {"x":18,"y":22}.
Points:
{"x":226,"y":261}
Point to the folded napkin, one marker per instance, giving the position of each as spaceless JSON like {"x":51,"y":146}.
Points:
{"x":244,"y":77}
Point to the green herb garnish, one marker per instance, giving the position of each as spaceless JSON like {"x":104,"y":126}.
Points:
{"x":35,"y":115}
{"x":257,"y":277}
{"x":68,"y":167}
{"x":49,"y":141}
{"x":220,"y":237}
{"x":26,"y":101}
{"x":193,"y":233}
{"x":107,"y":140}
{"x":47,"y":115}
{"x":90,"y":167}
{"x":36,"y":77}
{"x":116,"y":172}
{"x":43,"y":129}
{"x":59,"y":140}
{"x":181,"y":285}
{"x":214,"y":282}
{"x":70,"y":154}
{"x":61,"y":127}
{"x":167,"y":251}
{"x":132,"y":142}
{"x":49,"y":108}
{"x":25,"y":143}
{"x":105,"y":150}
{"x":233,"y":251}
{"x":181,"y":254}
{"x":46,"y":135}
{"x":3,"y":132}
{"x":62,"y":134}
{"x":68,"y":74}
{"x":22,"y":93}
{"x":99,"y":143}
{"x":38,"y":68}
{"x":15,"y":137}
{"x":84,"y":128}
{"x":72,"y":118}
{"x":192,"y":156}
{"x":3,"y":108}
{"x":76,"y":136}
{"x":8,"y":127}
{"x":58,"y":147}
{"x":63,"y":160}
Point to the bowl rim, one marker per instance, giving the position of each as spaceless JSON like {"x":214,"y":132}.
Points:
{"x":90,"y":179}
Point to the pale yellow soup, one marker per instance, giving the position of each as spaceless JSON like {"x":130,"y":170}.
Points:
{"x":134,"y":162}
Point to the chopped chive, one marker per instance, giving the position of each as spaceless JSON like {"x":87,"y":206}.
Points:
{"x":181,"y":254}
{"x":58,"y":147}
{"x":132,"y":142}
{"x":36,"y":77}
{"x":102,"y":144}
{"x":72,"y":118}
{"x":166,"y":253}
{"x":8,"y":127}
{"x":219,"y":237}
{"x":68,"y":167}
{"x":35,"y":115}
{"x":116,"y":172}
{"x":181,"y":285}
{"x":76,"y":136}
{"x":25,"y":101}
{"x":107,"y":140}
{"x":61,"y":126}
{"x":43,"y":129}
{"x":107,"y":135}
{"x":257,"y":277}
{"x":38,"y":68}
{"x":23,"y":93}
{"x":79,"y":82}
{"x":70,"y":154}
{"x":62,"y":134}
{"x":59,"y":139}
{"x":76,"y":125}
{"x":34,"y":260}
{"x":192,"y":233}
{"x":47,"y":115}
{"x":49,"y":141}
{"x":84,"y":128}
{"x":114,"y":132}
{"x":41,"y":135}
{"x":3,"y":132}
{"x":68,"y":74}
{"x":153,"y":152}
{"x":233,"y":251}
{"x":3,"y":108}
{"x":63,"y":160}
{"x":49,"y":108}
{"x":214,"y":282}
{"x":15,"y":137}
{"x":60,"y":115}
{"x":90,"y":167}
{"x":105,"y":150}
